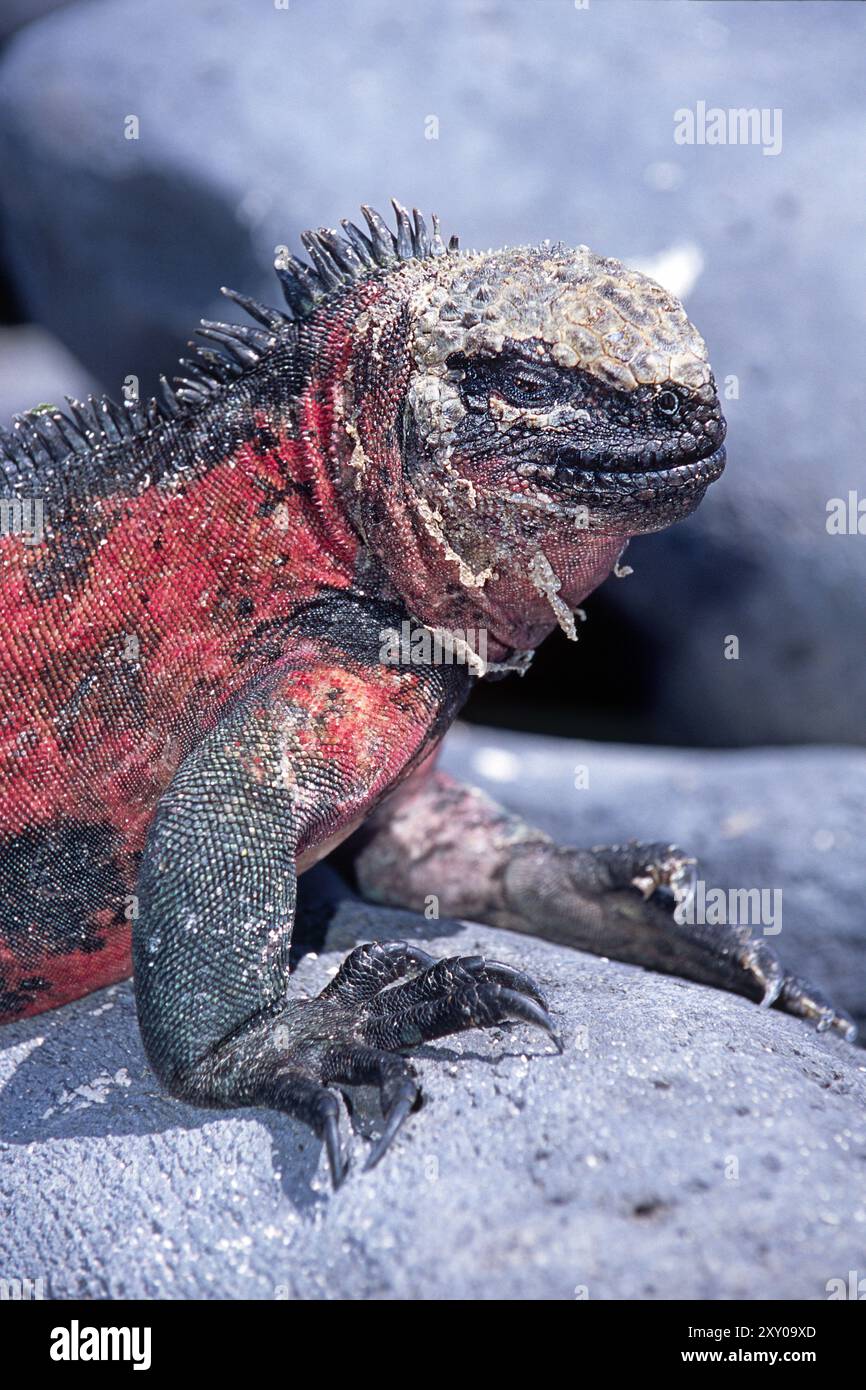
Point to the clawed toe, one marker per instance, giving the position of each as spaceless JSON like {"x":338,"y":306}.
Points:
{"x":667,"y":867}
{"x":723,"y":954}
{"x":399,"y":1111}
{"x":372,"y":967}
{"x":520,"y":1008}
{"x":798,"y":997}
{"x":791,"y":994}
{"x":453,"y":995}
{"x":399,"y":1092}
{"x":763,"y":965}
{"x":455,"y":1010}
{"x":337,"y":1161}
{"x":370,"y":1011}
{"x":496,"y":972}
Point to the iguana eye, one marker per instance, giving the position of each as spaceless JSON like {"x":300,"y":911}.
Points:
{"x":668,"y":402}
{"x":511,"y":378}
{"x":520,"y":383}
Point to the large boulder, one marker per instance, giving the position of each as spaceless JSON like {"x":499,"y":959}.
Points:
{"x":685,"y":1145}
{"x":36,"y":368}
{"x":252,"y":121}
{"x":17,"y":13}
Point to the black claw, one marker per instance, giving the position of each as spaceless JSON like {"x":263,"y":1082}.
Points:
{"x":527,"y":1011}
{"x":498,"y":973}
{"x":441,"y":978}
{"x":448,"y":1000}
{"x":363,"y":1018}
{"x":338,"y":1165}
{"x":400,"y":1111}
{"x":423,"y":959}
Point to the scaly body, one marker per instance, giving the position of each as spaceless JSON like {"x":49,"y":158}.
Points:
{"x":200,"y":694}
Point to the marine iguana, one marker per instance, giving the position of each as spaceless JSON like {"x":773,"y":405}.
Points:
{"x":198,"y":700}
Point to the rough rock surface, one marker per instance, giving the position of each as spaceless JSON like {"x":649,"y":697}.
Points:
{"x":256,"y":121}
{"x":686,"y":1144}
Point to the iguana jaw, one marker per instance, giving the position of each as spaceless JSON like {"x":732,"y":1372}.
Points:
{"x":632,"y":499}
{"x":517,"y":564}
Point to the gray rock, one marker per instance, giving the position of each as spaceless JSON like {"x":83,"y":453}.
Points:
{"x":17,"y":13}
{"x":255,"y":122}
{"x":34,"y":369}
{"x":686,"y":1144}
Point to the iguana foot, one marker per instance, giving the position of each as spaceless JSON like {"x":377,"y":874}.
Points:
{"x":352,"y":1032}
{"x":796,"y":996}
{"x":667,"y":867}
{"x":633,"y":902}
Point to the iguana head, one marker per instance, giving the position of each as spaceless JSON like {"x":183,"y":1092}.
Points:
{"x":549,"y":375}
{"x":510,"y":418}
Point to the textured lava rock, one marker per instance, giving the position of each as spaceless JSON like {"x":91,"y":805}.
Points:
{"x":687,"y":1144}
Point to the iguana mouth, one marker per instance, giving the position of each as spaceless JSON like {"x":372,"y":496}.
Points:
{"x":625,"y":476}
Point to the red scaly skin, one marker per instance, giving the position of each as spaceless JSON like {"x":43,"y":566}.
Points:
{"x":189,"y":574}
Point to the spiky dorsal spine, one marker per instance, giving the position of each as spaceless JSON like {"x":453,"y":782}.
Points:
{"x":340,"y":260}
{"x":44,"y":437}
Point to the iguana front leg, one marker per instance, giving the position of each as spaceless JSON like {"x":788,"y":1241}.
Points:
{"x":437,"y":836}
{"x":285,"y":773}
